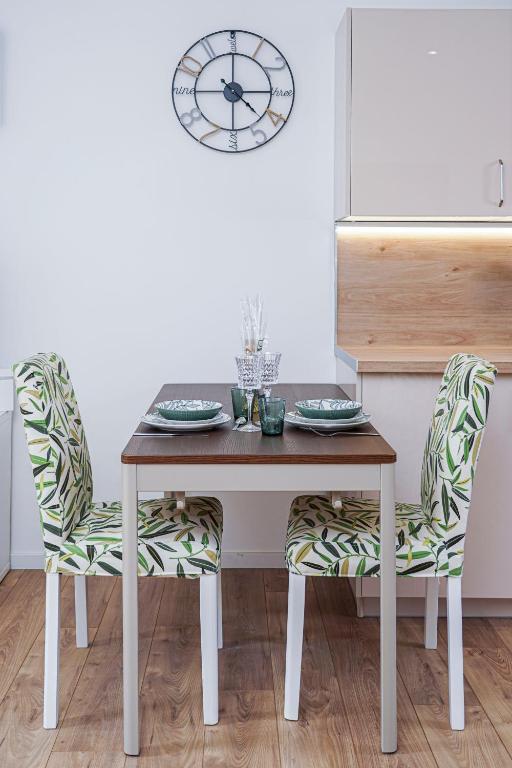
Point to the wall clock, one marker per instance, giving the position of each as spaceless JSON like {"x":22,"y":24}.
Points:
{"x":233,"y":91}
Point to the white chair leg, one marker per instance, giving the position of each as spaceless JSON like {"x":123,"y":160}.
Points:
{"x":220,"y":640}
{"x":294,"y":634}
{"x":431,"y":611}
{"x":209,"y":653}
{"x":51,"y":651}
{"x":359,"y":597}
{"x":455,"y":653}
{"x":82,"y":640}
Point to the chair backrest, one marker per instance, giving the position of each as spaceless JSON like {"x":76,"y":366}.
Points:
{"x":56,"y":443}
{"x":451,"y":453}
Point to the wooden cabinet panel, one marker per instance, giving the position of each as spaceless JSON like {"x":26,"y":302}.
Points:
{"x":446,"y":287}
{"x":431,"y":113}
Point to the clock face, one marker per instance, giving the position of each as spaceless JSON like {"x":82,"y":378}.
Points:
{"x":233,"y":91}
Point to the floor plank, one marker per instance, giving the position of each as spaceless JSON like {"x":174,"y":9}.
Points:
{"x":8,"y":582}
{"x":488,"y":670}
{"x":172,"y":730}
{"x":93,"y":722}
{"x":23,"y":741}
{"x":425,"y":673}
{"x":246,"y":736}
{"x":355,"y":649}
{"x":21,"y":620}
{"x":321,"y":737}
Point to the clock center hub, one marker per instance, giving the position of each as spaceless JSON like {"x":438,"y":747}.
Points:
{"x":233,"y":91}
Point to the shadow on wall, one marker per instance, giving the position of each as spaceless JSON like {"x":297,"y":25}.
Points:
{"x":3,"y":79}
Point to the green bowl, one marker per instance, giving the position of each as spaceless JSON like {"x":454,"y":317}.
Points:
{"x":188,"y":410}
{"x":328,"y":409}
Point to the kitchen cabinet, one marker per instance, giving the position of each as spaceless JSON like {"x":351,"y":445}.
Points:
{"x":424,"y":114}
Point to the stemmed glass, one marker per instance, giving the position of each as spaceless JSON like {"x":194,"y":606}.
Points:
{"x":271,"y":362}
{"x":250,"y":371}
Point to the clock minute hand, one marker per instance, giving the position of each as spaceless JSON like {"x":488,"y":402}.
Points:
{"x":240,"y":97}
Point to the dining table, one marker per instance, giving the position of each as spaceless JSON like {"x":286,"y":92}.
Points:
{"x":224,"y":460}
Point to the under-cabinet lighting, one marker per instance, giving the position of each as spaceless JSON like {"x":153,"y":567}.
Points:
{"x":421,"y":230}
{"x":427,"y":219}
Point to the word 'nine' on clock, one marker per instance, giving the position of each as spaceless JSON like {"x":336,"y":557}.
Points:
{"x":184,"y":91}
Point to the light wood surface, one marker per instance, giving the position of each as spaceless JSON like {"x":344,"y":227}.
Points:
{"x":225,"y":446}
{"x":338,"y":719}
{"x":408,"y":299}
{"x":370,"y":359}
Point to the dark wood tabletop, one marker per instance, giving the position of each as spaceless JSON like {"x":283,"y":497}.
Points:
{"x":225,"y":446}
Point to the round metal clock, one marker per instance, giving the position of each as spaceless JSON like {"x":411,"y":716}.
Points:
{"x":233,"y":91}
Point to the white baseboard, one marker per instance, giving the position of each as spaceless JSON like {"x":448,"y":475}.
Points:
{"x":253,"y":559}
{"x":35,"y":560}
{"x":27,"y":560}
{"x":472,"y":607}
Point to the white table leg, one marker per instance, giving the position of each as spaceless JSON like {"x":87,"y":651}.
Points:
{"x":130,"y":612}
{"x":388,"y":610}
{"x":51,"y":651}
{"x":81,"y":630}
{"x":431,"y":611}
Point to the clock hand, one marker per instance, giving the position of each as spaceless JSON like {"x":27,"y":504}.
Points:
{"x":240,"y":97}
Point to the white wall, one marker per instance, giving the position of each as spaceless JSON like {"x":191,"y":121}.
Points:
{"x":126,"y":247}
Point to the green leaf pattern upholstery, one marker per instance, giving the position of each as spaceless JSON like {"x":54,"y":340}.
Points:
{"x":171,"y":542}
{"x":324,"y":541}
{"x":82,"y":537}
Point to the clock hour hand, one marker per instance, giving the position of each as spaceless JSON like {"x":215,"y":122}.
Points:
{"x":239,"y":97}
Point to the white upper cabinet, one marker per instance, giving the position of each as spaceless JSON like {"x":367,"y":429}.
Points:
{"x":430,"y":118}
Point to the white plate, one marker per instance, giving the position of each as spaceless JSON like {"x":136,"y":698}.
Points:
{"x":361,"y":418}
{"x":327,"y":425}
{"x":154,"y":420}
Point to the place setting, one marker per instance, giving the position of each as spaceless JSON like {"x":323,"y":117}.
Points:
{"x":329,"y":417}
{"x":184,"y":417}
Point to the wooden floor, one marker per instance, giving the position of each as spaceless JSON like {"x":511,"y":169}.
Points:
{"x":339,"y":704}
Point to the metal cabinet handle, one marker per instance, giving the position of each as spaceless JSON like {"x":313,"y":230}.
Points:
{"x":500,"y":163}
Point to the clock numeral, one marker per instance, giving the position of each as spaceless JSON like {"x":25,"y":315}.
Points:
{"x":276,"y":117}
{"x":233,"y":141}
{"x":210,"y":133}
{"x":193,"y":68}
{"x":262,"y":40}
{"x":208,"y":48}
{"x":276,"y":59}
{"x":258,"y":132}
{"x":187,"y":118}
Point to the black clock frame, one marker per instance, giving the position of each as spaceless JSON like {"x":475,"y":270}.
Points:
{"x":257,"y":146}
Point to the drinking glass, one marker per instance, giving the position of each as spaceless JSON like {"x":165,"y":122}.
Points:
{"x":250,"y":370}
{"x":271,"y":362}
{"x":272,"y":410}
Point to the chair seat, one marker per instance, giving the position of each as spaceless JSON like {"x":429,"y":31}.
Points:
{"x":171,"y":541}
{"x":324,"y":541}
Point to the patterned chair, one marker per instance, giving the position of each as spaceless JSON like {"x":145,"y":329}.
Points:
{"x":323,"y":540}
{"x":84,"y":538}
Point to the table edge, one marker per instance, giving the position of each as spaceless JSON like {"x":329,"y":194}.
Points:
{"x":237,"y":460}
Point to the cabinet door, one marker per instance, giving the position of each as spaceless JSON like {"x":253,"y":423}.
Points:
{"x":431,"y":113}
